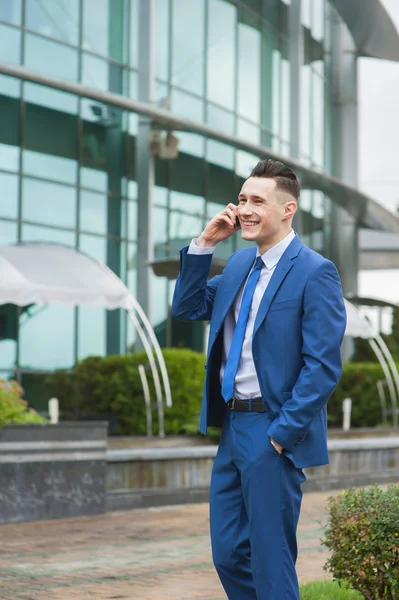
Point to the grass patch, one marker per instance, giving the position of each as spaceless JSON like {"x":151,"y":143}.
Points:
{"x":328,"y":590}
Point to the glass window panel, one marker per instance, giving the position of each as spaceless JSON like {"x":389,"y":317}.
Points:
{"x":8,"y":233}
{"x":306,"y":13}
{"x":162,"y":39}
{"x":133,"y":118}
{"x":249,"y":71}
{"x":35,"y":233}
{"x":276,"y":94}
{"x":187,"y":203}
{"x":160,"y":195}
{"x":305,"y":201}
{"x":92,"y":328}
{"x":93,"y":212}
{"x":220,"y":154}
{"x":51,"y":167}
{"x":318,"y":120}
{"x":188,"y":45}
{"x":48,"y":203}
{"x":245,"y":162}
{"x":318,"y":19}
{"x":186,"y":106}
{"x":96,"y":26}
{"x":220,"y":119}
{"x":247,"y":131}
{"x":54,"y":99}
{"x":93,"y":178}
{"x":9,"y":157}
{"x":47,"y":339}
{"x":95,"y":72}
{"x":306,"y":110}
{"x":131,"y":282}
{"x":131,"y":220}
{"x":183,"y":228}
{"x":9,"y":86}
{"x":11,"y":11}
{"x":134,"y":31}
{"x":57,"y":19}
{"x":160,"y":228}
{"x":50,"y":57}
{"x":10,"y":44}
{"x":8,"y":349}
{"x":9,"y":195}
{"x":95,"y":246}
{"x":222,"y":18}
{"x":318,"y":205}
{"x":159,"y":300}
{"x":132,"y":189}
{"x":286,"y":97}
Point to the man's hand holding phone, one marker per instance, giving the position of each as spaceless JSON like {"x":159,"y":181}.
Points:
{"x":222,"y":226}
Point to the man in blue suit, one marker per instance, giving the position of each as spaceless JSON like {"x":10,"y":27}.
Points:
{"x":277,"y":322}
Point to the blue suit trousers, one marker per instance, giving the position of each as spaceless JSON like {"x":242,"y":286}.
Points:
{"x":255,"y":502}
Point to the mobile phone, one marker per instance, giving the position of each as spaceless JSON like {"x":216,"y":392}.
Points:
{"x":238,"y":224}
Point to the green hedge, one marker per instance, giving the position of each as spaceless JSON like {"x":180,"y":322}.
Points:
{"x":358,"y":382}
{"x":13,"y":407}
{"x":363,"y":538}
{"x":111,"y":388}
{"x":328,"y":590}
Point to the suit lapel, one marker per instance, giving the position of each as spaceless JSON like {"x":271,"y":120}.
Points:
{"x":283,"y":267}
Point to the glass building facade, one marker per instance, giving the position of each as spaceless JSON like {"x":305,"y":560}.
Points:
{"x":69,"y":164}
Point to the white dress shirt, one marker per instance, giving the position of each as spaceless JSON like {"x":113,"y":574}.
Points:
{"x":246,"y":382}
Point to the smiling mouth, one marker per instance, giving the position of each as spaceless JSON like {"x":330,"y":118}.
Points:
{"x":250,"y":223}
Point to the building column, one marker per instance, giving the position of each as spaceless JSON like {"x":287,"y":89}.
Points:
{"x":296,"y":58}
{"x":345,"y":153}
{"x":144,"y":160}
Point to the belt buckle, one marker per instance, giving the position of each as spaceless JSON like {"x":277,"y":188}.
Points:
{"x":233,"y":403}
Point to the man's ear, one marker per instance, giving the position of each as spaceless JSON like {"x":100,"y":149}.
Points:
{"x":290,"y":209}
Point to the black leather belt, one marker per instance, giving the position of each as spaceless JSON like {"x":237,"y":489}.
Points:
{"x":250,"y":405}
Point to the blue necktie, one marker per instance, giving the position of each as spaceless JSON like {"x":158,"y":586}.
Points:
{"x":233,"y":359}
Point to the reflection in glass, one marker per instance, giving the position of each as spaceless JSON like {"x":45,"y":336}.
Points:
{"x":188,"y":45}
{"x":93,"y":212}
{"x":10,"y":86}
{"x":47,"y":338}
{"x":10,"y":44}
{"x":10,"y":11}
{"x":50,"y":57}
{"x":54,"y":99}
{"x":51,"y":167}
{"x":93,"y":178}
{"x":91,"y":332}
{"x":9,"y":195}
{"x":94,"y":246}
{"x":55,"y":18}
{"x":162,"y":39}
{"x":9,"y":157}
{"x":96,"y":26}
{"x":221,"y":68}
{"x":8,"y":233}
{"x":95,"y":72}
{"x":35,"y":233}
{"x":249,"y":71}
{"x":48,"y":203}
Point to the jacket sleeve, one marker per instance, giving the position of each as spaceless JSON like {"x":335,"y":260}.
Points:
{"x":194,"y":295}
{"x":323,"y":328}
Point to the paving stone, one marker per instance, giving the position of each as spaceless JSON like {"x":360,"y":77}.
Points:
{"x":152,"y":554}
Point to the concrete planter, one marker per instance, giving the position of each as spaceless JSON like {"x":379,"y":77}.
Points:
{"x":52,"y":471}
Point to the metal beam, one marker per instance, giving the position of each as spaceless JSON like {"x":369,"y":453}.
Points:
{"x":354,"y":201}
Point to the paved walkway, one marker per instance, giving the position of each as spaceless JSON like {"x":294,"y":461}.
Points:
{"x":153,"y":554}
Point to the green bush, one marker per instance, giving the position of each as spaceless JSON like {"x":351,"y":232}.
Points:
{"x":328,"y":590}
{"x":13,"y":408}
{"x":111,"y":388}
{"x":358,"y":382}
{"x":363,"y":537}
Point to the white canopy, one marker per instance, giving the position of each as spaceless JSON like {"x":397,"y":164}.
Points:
{"x":357,"y":325}
{"x":37,"y":273}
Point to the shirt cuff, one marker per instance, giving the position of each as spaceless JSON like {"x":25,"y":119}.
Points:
{"x":194,"y":249}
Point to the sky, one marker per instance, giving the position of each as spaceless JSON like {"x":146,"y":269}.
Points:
{"x":379,"y":149}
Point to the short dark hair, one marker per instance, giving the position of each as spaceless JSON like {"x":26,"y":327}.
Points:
{"x":285,"y":178}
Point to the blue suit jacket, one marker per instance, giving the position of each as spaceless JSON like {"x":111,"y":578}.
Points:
{"x":296,"y":341}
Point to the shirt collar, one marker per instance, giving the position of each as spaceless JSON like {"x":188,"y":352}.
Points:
{"x":273,"y":255}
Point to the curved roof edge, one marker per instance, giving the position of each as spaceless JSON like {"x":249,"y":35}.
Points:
{"x":366,"y":210}
{"x":372,"y":28}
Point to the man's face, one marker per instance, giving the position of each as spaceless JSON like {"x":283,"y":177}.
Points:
{"x":265,"y":215}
